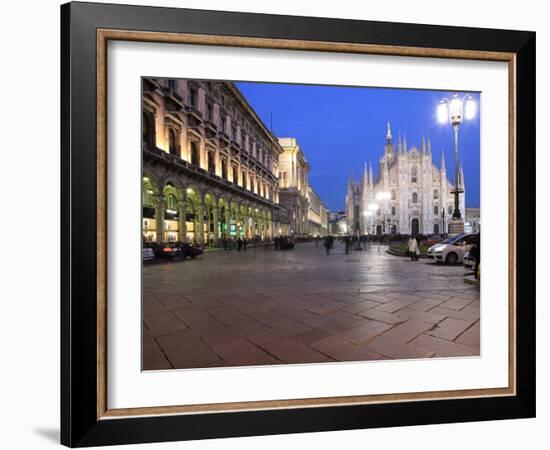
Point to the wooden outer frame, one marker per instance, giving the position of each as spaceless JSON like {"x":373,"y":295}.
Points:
{"x":91,"y":26}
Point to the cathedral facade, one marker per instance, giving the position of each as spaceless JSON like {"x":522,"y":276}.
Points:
{"x":409,"y":195}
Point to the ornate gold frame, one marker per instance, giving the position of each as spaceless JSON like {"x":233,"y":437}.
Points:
{"x":103,"y":36}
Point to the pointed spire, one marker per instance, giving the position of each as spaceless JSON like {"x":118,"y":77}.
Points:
{"x":365,"y":174}
{"x":423,"y":144}
{"x":400,"y":143}
{"x":371,"y":178}
{"x":404,"y":143}
{"x":429,"y":145}
{"x":443,"y":169}
{"x":461,"y":176}
{"x":388,"y":135}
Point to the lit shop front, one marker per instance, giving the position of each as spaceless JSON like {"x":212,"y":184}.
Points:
{"x":171,"y":219}
{"x":149,"y":223}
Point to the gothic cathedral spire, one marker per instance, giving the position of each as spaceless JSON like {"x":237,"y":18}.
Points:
{"x":371,"y":178}
{"x":388,"y":135}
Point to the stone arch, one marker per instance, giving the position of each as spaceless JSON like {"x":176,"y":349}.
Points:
{"x":178,"y":188}
{"x":153,"y":179}
{"x":415,"y":226}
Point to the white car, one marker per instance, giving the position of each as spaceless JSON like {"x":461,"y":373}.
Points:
{"x":453,"y":249}
{"x":147,"y":254}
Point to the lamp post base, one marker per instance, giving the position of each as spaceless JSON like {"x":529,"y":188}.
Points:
{"x":456,"y":226}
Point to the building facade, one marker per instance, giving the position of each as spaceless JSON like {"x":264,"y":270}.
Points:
{"x":317,"y":214}
{"x":409,"y":195}
{"x":472,"y":223}
{"x":293,"y":185}
{"x":210,"y":165}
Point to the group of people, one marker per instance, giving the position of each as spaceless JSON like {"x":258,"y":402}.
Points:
{"x":239,"y":243}
{"x":283,"y":242}
{"x":328,"y":243}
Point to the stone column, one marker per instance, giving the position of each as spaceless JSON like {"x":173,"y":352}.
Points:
{"x":216,"y":224}
{"x":200,"y":231}
{"x":182,"y":233}
{"x":159,"y":216}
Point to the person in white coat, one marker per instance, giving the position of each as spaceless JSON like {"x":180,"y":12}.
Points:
{"x":413,"y":248}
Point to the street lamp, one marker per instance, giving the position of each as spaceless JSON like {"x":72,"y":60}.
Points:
{"x":454,"y":111}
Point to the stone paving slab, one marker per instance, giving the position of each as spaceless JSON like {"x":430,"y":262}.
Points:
{"x":266,"y":307}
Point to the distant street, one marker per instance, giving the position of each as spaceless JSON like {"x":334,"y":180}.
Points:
{"x":300,"y":306}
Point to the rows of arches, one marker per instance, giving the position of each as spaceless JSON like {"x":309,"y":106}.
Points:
{"x":173,"y":212}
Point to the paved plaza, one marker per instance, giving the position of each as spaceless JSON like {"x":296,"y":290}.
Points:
{"x":300,"y":306}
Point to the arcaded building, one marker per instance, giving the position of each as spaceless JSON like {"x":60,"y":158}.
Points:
{"x":317,"y":214}
{"x":293,"y":185}
{"x":210,"y":165}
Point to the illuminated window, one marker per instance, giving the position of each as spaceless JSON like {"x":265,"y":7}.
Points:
{"x":211,"y":163}
{"x":284,"y":179}
{"x":195,"y":153}
{"x":171,"y":202}
{"x":172,"y":142}
{"x":148,"y":128}
{"x":192,"y":97}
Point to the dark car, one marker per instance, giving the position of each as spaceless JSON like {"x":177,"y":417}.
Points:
{"x":165,"y":250}
{"x":189,"y":250}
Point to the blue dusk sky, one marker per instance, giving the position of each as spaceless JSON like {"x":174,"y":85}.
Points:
{"x":339,"y":128}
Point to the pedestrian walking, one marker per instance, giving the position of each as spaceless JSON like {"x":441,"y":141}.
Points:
{"x":327,"y":245}
{"x":245,"y":242}
{"x":412,"y":247}
{"x":239,"y":244}
{"x":346,"y":244}
{"x":224,"y":243}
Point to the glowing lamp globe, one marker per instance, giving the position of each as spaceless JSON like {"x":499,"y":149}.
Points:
{"x":442,"y":112}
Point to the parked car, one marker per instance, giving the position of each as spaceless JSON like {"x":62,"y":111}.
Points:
{"x":147,"y":254}
{"x":189,"y":250}
{"x":165,"y":250}
{"x":453,"y":249}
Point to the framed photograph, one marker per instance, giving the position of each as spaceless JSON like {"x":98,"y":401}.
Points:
{"x":275,"y":224}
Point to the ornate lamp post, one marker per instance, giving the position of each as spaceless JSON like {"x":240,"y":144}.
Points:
{"x":384,"y":197}
{"x":453,"y":111}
